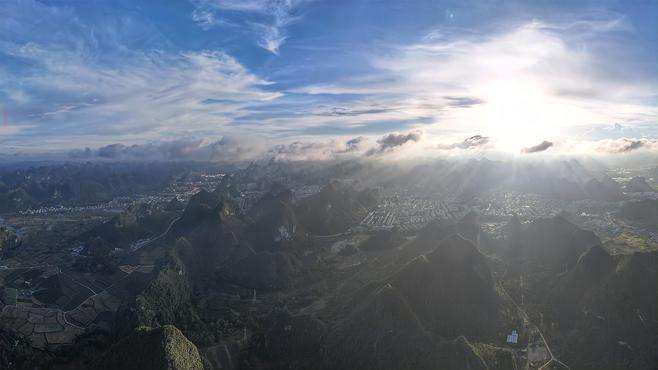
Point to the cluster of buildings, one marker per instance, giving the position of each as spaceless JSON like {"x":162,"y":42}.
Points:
{"x":408,"y":212}
{"x":118,"y":203}
{"x":181,"y":190}
{"x":523,"y":205}
{"x":600,"y":217}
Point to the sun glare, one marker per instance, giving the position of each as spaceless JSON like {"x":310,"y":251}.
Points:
{"x":518,"y":112}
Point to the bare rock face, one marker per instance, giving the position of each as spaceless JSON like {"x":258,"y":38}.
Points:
{"x":163,"y":348}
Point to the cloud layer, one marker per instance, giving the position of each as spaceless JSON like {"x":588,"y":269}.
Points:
{"x":226,"y":149}
{"x":401,"y":145}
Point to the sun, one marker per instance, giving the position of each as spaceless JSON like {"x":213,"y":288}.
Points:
{"x":518,"y":113}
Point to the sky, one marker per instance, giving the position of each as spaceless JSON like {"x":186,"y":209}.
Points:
{"x":332,"y":76}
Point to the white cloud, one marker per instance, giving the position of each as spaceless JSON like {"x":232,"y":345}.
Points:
{"x":532,"y":83}
{"x":151,"y":94}
{"x":626,"y":145}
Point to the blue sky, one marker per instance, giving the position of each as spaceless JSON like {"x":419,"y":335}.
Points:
{"x":90,"y":73}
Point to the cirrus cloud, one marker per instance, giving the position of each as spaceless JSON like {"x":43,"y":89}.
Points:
{"x":273,"y":17}
{"x":151,"y":95}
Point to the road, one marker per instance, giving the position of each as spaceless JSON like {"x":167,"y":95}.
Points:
{"x":536,"y":328}
{"x":91,"y":297}
{"x":94,"y":292}
{"x":320,"y":237}
{"x":105,"y":290}
{"x":149,"y":242}
{"x":30,"y":267}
